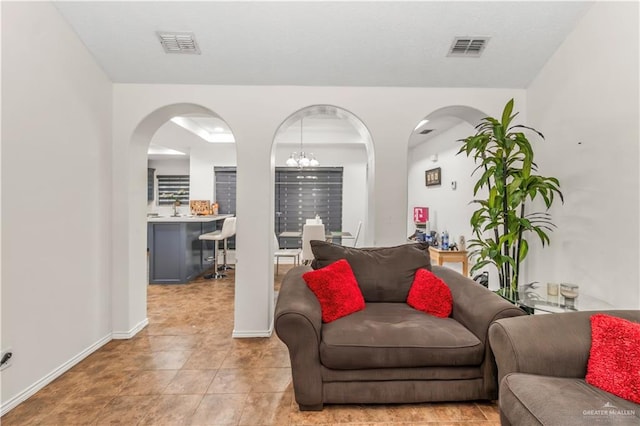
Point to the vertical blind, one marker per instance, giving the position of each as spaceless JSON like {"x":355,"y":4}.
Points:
{"x":225,"y":189}
{"x":170,"y":185}
{"x":302,"y":194}
{"x":151,"y":175}
{"x":225,"y":194}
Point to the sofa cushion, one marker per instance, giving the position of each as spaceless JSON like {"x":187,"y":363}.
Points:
{"x":336,"y":289}
{"x":531,"y":399}
{"x":614,"y":358}
{"x":391,"y":335}
{"x":430,"y":294}
{"x":384,"y":274}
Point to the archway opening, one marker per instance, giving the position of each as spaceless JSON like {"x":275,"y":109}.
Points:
{"x":439,"y":179}
{"x":343,"y":148}
{"x":183,"y":143}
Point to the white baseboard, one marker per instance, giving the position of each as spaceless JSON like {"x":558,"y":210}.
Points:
{"x":31,"y":390}
{"x":252,"y":333}
{"x":119,"y":335}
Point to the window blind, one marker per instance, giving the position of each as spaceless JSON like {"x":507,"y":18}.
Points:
{"x":302,"y":194}
{"x":225,"y":194}
{"x":170,"y":185}
{"x":225,"y":189}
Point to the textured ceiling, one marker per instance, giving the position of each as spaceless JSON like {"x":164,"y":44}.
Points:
{"x":401,"y":44}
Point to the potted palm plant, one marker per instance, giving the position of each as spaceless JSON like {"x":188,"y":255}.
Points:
{"x":502,"y":223}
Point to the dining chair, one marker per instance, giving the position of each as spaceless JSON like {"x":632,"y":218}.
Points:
{"x":280,"y":252}
{"x":310,"y":232}
{"x":355,"y":239}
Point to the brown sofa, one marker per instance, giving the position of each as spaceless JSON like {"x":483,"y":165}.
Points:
{"x":542,"y":363}
{"x":388,"y":352}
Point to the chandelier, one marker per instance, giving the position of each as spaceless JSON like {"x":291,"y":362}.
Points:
{"x":300,"y":159}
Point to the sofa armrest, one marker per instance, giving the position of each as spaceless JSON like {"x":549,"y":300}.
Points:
{"x":295,"y":298}
{"x":550,"y":345}
{"x":298,"y":323}
{"x":475,"y":306}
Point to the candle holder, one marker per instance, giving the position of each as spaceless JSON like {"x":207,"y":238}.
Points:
{"x":570,"y":293}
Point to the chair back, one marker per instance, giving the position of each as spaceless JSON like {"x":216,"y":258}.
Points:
{"x":311,"y":232}
{"x":276,"y":242}
{"x":355,"y":240}
{"x":228,"y":227}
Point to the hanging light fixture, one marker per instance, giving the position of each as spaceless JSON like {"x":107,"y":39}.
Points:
{"x":300,"y":159}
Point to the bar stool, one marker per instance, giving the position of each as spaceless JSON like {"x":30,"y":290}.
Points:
{"x":228,"y":230}
{"x":225,"y":266}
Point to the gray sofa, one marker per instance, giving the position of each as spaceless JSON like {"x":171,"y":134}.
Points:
{"x":388,"y":352}
{"x":542,"y":363}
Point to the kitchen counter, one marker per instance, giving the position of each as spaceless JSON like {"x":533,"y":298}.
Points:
{"x":185,"y":218}
{"x":176,"y":254}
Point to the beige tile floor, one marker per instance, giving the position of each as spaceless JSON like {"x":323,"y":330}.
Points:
{"x":185,"y":369}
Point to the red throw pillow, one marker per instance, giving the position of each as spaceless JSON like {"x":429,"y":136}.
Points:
{"x":614,"y":360}
{"x":336,"y":288}
{"x":430,"y":294}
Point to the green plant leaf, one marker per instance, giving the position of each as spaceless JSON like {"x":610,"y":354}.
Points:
{"x":506,"y":113}
{"x":505,"y":166}
{"x":524,"y":249}
{"x":529,"y":128}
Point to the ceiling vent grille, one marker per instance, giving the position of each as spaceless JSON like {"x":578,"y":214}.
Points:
{"x":178,"y":42}
{"x":426,"y":131}
{"x":468,"y":46}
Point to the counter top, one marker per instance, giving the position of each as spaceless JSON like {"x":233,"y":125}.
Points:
{"x":164,"y":219}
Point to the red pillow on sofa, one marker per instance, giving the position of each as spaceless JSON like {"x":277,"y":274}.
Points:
{"x":336,"y":288}
{"x":614,"y":359}
{"x":430,"y":294}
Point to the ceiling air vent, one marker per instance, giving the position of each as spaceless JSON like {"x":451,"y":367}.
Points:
{"x":468,"y":46}
{"x":426,"y":131}
{"x":178,"y":42}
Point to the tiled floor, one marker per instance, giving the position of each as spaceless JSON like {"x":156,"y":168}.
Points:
{"x":185,"y":369}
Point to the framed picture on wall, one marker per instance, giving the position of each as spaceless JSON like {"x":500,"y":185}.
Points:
{"x":432,"y":177}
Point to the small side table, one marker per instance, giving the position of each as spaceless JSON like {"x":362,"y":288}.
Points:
{"x":454,"y":256}
{"x":552,"y":304}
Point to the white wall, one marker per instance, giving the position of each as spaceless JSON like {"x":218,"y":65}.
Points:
{"x":201,"y":158}
{"x":56,"y":191}
{"x":57,"y":127}
{"x":585,"y":101}
{"x":448,"y":209}
{"x":203,"y":161}
{"x":255,"y":113}
{"x":168,"y":166}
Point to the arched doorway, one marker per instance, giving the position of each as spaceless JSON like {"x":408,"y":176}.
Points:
{"x":433,"y":148}
{"x":130,"y":211}
{"x":341,"y":143}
